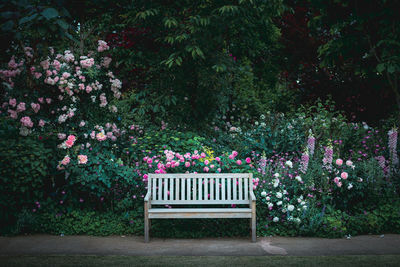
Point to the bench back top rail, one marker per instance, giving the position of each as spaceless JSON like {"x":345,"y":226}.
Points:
{"x":204,"y":188}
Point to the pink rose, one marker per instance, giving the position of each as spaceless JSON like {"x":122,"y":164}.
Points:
{"x":61,"y":136}
{"x":12,"y":102}
{"x":35,"y":107}
{"x":206,"y":162}
{"x":231,"y":156}
{"x":187,"y":164}
{"x":41,"y":123}
{"x":69,"y":143}
{"x":235,"y":153}
{"x":82,"y":159}
{"x":65,"y":160}
{"x":27,"y":122}
{"x":21,"y":107}
{"x":203,"y":155}
{"x":71,"y":137}
{"x":339,"y":162}
{"x":218,"y":159}
{"x":344,"y":175}
{"x":336,"y":180}
{"x":239,"y":162}
{"x":206,"y":169}
{"x":248,"y":160}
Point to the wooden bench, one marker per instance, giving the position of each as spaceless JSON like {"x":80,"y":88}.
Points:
{"x":214,"y":189}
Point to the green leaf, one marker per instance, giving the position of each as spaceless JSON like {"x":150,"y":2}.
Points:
{"x":7,"y":26}
{"x":62,"y":24}
{"x":27,"y":19}
{"x":50,"y":13}
{"x":381,"y":67}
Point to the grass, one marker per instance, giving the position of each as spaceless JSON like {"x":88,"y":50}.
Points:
{"x":87,"y":260}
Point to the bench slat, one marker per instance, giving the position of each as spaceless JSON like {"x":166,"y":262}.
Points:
{"x":246,"y":187}
{"x":182,"y":188}
{"x":159,"y":189}
{"x":234,"y":192}
{"x":229,"y":197}
{"x":188,"y":196}
{"x":194,"y":189}
{"x":171,"y":188}
{"x":197,"y":175}
{"x":223,"y":189}
{"x":240,"y":189}
{"x":154,"y":188}
{"x":217,"y":188}
{"x":200,"y":189}
{"x":205,"y":202}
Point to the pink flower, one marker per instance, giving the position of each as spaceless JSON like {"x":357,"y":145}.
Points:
{"x":27,"y":122}
{"x":41,"y":123}
{"x":187,"y":164}
{"x":71,"y":137}
{"x":234,"y":153}
{"x":339,"y":184}
{"x":102,"y":46}
{"x":203,"y":155}
{"x":48,"y":100}
{"x":206,"y":162}
{"x":248,"y":160}
{"x":35,"y":107}
{"x":206,"y":169}
{"x":101,"y":136}
{"x":339,"y":162}
{"x":231,"y":156}
{"x":219,"y":170}
{"x":12,"y":102}
{"x":21,"y":107}
{"x":61,"y":136}
{"x":13,"y":114}
{"x":150,"y":160}
{"x":82,"y":159}
{"x":217,"y":159}
{"x":145,"y":176}
{"x":239,"y":162}
{"x":336,"y":180}
{"x":65,"y":160}
{"x":69,"y":143}
{"x":344,"y":175}
{"x":41,"y":100}
{"x":82,"y":123}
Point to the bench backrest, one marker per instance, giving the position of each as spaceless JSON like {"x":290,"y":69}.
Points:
{"x":200,"y":188}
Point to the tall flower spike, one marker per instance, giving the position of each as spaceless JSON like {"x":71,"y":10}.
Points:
{"x":304,"y":161}
{"x":311,"y":144}
{"x":393,"y":146}
{"x":328,"y":156}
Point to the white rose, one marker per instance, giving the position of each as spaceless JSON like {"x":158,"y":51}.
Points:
{"x":298,"y":178}
{"x":279,"y":203}
{"x":276,"y":175}
{"x":270,"y":205}
{"x":276,"y":219}
{"x":290,"y":208}
{"x":350,"y":186}
{"x":279,"y":195}
{"x":268,"y":198}
{"x":289,"y":164}
{"x":263,"y":194}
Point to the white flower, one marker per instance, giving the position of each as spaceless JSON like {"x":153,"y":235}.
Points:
{"x":298,"y":178}
{"x":349,"y":163}
{"x":276,"y":219}
{"x":279,"y":203}
{"x":276,"y":175}
{"x":303,"y":203}
{"x":297,"y":220}
{"x":279,"y":195}
{"x":350,"y":186}
{"x":304,"y":207}
{"x":270,"y":205}
{"x":268,"y":198}
{"x":283,"y":210}
{"x":289,"y":164}
{"x":263,"y":194}
{"x":290,"y":208}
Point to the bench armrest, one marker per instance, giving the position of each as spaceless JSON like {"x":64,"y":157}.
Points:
{"x":147,"y":197}
{"x":252,"y":196}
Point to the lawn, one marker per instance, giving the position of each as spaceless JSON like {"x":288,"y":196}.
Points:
{"x":370,"y":260}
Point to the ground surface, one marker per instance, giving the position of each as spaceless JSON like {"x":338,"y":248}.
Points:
{"x":134,"y":246}
{"x":73,"y":260}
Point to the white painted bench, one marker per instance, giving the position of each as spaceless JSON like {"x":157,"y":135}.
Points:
{"x":200,"y":189}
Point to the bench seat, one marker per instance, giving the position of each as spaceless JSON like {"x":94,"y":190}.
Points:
{"x":199,"y":213}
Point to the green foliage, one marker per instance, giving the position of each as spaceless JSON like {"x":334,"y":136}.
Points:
{"x":25,"y":170}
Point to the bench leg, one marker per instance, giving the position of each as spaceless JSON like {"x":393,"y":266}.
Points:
{"x":253,"y":222}
{"x":146,"y":223}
